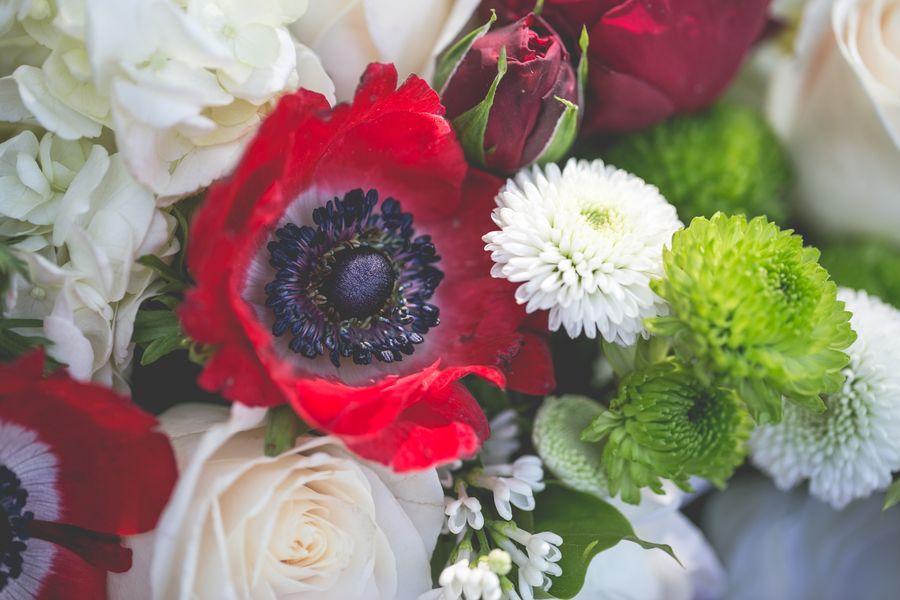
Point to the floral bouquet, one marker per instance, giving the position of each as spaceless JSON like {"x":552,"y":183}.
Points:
{"x":449,"y":299}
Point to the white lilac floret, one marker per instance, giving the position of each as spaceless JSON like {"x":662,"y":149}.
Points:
{"x":504,"y":441}
{"x":851,"y":449}
{"x":583,"y":242}
{"x":462,"y":511}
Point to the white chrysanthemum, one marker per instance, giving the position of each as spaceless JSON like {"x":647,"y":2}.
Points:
{"x":183,"y":84}
{"x":849,"y":451}
{"x":584,"y":242}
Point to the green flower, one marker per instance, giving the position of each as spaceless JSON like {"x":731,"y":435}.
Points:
{"x":725,"y":159}
{"x":752,"y":309}
{"x":557,"y":439}
{"x":667,"y":424}
{"x":870,"y":265}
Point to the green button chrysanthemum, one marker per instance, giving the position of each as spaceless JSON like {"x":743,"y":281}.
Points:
{"x":667,"y":424}
{"x":724,"y":159}
{"x":557,"y":439}
{"x":752,"y":309}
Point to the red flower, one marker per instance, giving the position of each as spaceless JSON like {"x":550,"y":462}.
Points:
{"x":79,"y":466}
{"x":650,"y":59}
{"x":319,"y":282}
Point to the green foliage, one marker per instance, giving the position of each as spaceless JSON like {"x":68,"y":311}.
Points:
{"x":10,"y":266}
{"x":472,"y":124}
{"x":892,"y":496}
{"x":870,"y":265}
{"x":283,"y":426}
{"x":157,"y":329}
{"x":753,"y":309}
{"x":666,"y":424}
{"x":588,"y":526}
{"x":724,"y":159}
{"x":557,"y":439}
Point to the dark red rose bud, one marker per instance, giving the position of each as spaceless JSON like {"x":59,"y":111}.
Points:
{"x":533,"y":112}
{"x":650,"y":59}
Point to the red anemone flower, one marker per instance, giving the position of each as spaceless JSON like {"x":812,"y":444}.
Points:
{"x":341,"y":269}
{"x":79,"y":467}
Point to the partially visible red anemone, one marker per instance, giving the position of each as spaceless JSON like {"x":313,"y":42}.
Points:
{"x":79,"y":467}
{"x":257,"y":227}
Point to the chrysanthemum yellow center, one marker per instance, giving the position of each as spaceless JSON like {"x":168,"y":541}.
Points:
{"x":601,"y":217}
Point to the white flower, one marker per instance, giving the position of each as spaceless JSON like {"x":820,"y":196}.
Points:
{"x":460,"y":580}
{"x":843,"y":74}
{"x":850,"y":450}
{"x":512,"y":485}
{"x":539,"y":562}
{"x":499,"y":561}
{"x":584,"y":242}
{"x":628,"y":572}
{"x":80,"y":222}
{"x":349,"y":35}
{"x":183,"y":85}
{"x":528,"y":469}
{"x":314,"y":522}
{"x":790,"y":545}
{"x":504,"y":441}
{"x":462,"y":510}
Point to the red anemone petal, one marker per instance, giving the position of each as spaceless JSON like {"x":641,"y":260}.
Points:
{"x":114,"y":472}
{"x":446,"y":424}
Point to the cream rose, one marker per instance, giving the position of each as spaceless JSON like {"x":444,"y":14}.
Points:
{"x":836,"y":104}
{"x":313,"y":523}
{"x":349,"y":34}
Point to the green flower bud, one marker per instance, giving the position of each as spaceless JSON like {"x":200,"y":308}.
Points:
{"x":557,"y":438}
{"x":753,"y":309}
{"x":667,"y":424}
{"x":725,"y":159}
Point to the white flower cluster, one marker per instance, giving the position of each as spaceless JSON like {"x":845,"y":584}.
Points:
{"x":851,"y":449}
{"x":183,"y":84}
{"x":80,"y":221}
{"x":584,"y":242}
{"x":511,"y":484}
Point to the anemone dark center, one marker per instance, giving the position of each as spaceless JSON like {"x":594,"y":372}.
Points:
{"x":355,"y":285}
{"x":13,"y":526}
{"x":360,"y":283}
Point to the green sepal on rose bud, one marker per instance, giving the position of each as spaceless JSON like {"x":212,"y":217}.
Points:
{"x":524,"y":65}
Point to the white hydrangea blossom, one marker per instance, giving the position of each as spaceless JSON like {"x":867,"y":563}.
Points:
{"x":584,"y":242}
{"x":851,"y":449}
{"x":183,"y":83}
{"x":80,"y":222}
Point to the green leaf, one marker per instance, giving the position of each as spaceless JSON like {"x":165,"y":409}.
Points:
{"x":588,"y":526}
{"x":449,"y":61}
{"x":567,"y":126}
{"x":471,"y":125}
{"x":283,"y":426}
{"x":153,"y":324}
{"x":893,"y":495}
{"x":14,"y":345}
{"x":176,"y":280}
{"x":160,"y":347}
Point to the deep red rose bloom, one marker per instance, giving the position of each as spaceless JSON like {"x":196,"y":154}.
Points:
{"x":526,"y":109}
{"x":319,"y":282}
{"x":79,"y":466}
{"x":650,"y":59}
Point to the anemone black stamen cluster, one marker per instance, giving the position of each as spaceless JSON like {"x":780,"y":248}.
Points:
{"x":13,"y":526}
{"x":356,"y":285}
